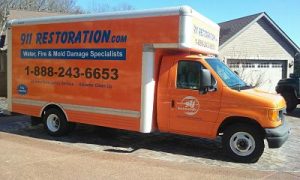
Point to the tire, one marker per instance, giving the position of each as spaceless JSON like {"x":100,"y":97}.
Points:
{"x":56,"y":123}
{"x":291,"y":101}
{"x":243,"y":143}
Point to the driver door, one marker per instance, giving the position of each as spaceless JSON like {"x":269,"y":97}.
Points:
{"x":191,"y":112}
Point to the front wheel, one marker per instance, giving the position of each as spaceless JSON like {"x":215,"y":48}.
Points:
{"x":243,"y":143}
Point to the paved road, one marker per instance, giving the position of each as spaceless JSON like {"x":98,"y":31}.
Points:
{"x":166,"y":154}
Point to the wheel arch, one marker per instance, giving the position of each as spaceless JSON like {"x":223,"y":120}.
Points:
{"x":238,"y":120}
{"x":50,"y":106}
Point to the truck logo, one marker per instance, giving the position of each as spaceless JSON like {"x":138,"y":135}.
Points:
{"x":22,"y":89}
{"x":190,"y":105}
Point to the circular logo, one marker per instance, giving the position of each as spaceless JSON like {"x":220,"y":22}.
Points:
{"x":190,"y":105}
{"x":22,"y":89}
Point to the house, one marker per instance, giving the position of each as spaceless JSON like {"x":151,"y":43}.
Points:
{"x":258,"y":50}
{"x":14,"y":14}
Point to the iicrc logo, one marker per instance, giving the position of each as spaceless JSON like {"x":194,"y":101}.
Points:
{"x":22,"y":89}
{"x":190,"y":105}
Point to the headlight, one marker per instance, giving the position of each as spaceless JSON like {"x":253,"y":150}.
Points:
{"x":274,"y":115}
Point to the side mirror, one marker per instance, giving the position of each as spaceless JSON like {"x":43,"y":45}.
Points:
{"x":205,"y":81}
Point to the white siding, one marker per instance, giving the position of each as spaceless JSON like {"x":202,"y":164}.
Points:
{"x":259,"y":42}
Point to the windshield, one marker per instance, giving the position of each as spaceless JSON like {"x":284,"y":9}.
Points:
{"x":229,"y":77}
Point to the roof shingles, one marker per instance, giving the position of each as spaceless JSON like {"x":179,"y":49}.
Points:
{"x":232,"y":27}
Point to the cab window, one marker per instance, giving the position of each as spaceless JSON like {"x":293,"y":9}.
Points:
{"x":188,"y":75}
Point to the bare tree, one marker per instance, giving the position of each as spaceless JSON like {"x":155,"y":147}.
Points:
{"x":62,"y":6}
{"x":254,"y":78}
{"x":95,"y":7}
{"x":4,"y":6}
{"x":123,"y":7}
{"x":246,"y":71}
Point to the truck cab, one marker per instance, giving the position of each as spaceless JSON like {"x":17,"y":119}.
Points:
{"x":200,"y":96}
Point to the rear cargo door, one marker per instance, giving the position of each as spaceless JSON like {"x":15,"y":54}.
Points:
{"x":191,"y":112}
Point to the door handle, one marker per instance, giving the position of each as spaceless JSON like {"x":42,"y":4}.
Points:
{"x":172,"y":103}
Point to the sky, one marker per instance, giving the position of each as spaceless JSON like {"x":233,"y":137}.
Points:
{"x":285,"y":13}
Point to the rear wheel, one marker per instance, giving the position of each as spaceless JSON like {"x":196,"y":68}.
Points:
{"x":56,"y":123}
{"x":291,"y":101}
{"x":243,"y":143}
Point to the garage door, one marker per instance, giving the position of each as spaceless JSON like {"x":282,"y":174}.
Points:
{"x":264,"y":74}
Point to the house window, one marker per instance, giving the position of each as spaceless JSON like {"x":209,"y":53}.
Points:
{"x":234,"y":65}
{"x":263,"y":65}
{"x":248,"y":65}
{"x":276,"y":65}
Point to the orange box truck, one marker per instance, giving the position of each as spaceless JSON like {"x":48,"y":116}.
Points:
{"x":145,"y":71}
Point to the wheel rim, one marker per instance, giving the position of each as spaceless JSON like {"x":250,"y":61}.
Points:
{"x":242,"y":143}
{"x":53,"y":122}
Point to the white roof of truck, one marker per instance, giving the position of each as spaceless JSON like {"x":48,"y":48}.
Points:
{"x":180,"y":10}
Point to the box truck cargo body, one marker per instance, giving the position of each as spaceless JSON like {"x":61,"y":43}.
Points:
{"x":142,"y":71}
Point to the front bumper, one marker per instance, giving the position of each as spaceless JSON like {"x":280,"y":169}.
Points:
{"x":277,"y":136}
